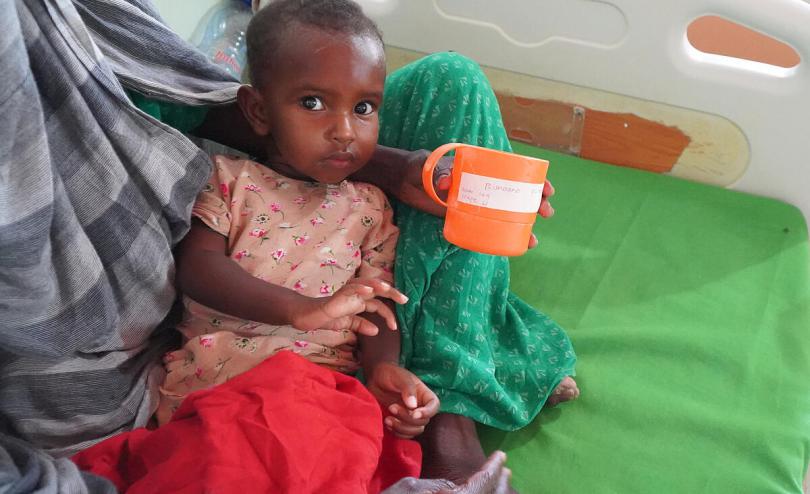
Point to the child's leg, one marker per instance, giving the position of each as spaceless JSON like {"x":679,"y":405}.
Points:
{"x":490,"y":357}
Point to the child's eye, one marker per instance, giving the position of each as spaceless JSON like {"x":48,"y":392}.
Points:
{"x":312,"y":103}
{"x":364,"y":108}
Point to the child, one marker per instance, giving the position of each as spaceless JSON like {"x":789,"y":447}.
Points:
{"x":287,"y":255}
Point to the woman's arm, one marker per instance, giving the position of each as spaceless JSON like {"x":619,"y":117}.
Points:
{"x":399,"y":174}
{"x":226,"y":124}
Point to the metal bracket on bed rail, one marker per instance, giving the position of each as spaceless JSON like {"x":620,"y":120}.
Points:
{"x":577,"y":126}
{"x":549,"y":124}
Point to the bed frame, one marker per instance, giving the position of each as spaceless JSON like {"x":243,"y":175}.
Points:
{"x":635,"y":55}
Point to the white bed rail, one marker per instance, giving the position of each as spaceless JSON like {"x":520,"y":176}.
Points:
{"x":638,"y":48}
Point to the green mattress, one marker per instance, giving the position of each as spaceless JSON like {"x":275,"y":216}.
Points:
{"x":689,"y":309}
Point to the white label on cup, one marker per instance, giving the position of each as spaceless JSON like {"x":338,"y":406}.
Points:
{"x":495,"y":193}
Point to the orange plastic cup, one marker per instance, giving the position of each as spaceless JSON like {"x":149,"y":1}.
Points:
{"x":493,"y":199}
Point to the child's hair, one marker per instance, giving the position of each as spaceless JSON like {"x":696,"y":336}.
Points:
{"x":269,"y":26}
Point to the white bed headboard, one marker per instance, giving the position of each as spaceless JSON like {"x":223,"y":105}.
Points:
{"x":639,"y":48}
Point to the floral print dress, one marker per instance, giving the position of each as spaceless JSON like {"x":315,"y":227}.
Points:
{"x":306,"y":236}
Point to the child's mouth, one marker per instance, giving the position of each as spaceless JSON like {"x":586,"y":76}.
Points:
{"x":340,"y":160}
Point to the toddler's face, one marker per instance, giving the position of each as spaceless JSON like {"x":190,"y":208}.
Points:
{"x":321,"y":102}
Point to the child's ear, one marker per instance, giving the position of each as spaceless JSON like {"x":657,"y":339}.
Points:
{"x":252,"y":105}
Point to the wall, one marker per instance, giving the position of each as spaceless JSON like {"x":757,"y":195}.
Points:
{"x":183,"y":15}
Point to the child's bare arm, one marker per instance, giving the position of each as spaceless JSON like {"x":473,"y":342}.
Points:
{"x":382,"y":347}
{"x":409,"y":401}
{"x":207,"y":275}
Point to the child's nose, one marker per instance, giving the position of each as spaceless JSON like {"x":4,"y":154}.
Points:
{"x":343,"y":130}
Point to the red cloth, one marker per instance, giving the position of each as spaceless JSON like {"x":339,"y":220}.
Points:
{"x":287,"y":425}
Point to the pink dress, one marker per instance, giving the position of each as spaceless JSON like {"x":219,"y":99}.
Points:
{"x":306,"y":236}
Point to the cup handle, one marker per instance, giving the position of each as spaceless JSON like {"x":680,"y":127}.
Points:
{"x":430,"y":165}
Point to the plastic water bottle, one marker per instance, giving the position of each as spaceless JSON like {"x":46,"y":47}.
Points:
{"x":221,"y":35}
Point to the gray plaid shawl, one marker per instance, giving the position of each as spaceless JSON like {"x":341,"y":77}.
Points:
{"x":93,"y":196}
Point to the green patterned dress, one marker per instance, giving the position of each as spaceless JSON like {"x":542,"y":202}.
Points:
{"x":487,"y":354}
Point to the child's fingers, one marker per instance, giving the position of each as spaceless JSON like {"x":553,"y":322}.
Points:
{"x":431,"y":403}
{"x":382,"y":289}
{"x":384,"y":311}
{"x":426,"y":412}
{"x":362,"y":290}
{"x":408,"y":392}
{"x":402,"y":429}
{"x":387,"y":290}
{"x":410,"y":417}
{"x":362,"y":325}
{"x":413,"y":417}
{"x":396,"y":296}
{"x":419,"y":399}
{"x":350,"y":299}
{"x":377,"y":285}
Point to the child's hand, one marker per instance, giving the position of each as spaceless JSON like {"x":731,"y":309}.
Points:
{"x":411,"y":403}
{"x":340,"y":311}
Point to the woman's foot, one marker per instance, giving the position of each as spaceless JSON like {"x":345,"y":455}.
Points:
{"x":491,"y":478}
{"x":451,"y":449}
{"x":450,"y":446}
{"x":565,"y":391}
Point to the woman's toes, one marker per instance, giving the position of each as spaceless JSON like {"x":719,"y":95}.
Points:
{"x":565,"y":391}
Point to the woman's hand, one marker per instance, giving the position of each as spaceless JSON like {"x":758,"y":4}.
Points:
{"x":413,"y":194}
{"x":409,"y":401}
{"x":545,"y":211}
{"x":399,"y":173}
{"x":340,"y":311}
